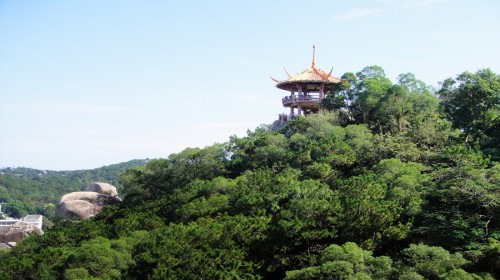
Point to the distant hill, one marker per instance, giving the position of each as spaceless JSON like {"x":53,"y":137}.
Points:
{"x":27,"y":190}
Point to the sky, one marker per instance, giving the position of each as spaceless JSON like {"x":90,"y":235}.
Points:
{"x":84,"y":84}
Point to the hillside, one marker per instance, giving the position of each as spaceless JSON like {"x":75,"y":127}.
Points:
{"x":393,"y":182}
{"x":26,"y":190}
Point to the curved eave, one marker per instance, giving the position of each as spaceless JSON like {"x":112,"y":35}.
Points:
{"x":287,"y":85}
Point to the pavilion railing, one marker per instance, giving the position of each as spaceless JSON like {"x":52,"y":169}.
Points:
{"x":300,"y":98}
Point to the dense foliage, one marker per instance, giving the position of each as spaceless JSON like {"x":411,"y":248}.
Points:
{"x":391,"y":183}
{"x":30,"y":191}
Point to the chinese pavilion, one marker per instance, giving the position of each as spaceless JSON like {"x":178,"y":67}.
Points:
{"x":307,"y":89}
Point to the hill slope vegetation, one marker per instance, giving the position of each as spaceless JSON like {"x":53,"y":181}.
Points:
{"x":392,"y":183}
{"x":31,"y":191}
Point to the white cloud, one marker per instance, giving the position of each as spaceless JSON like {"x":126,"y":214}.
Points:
{"x":246,"y":98}
{"x":222,"y":125}
{"x":412,"y":3}
{"x":251,"y":62}
{"x":449,"y":35}
{"x":407,"y":61}
{"x":357,"y":13}
{"x":64,"y":108}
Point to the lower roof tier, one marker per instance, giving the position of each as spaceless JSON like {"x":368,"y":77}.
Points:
{"x":305,"y":86}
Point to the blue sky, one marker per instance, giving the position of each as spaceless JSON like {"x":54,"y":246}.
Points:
{"x":90,"y":83}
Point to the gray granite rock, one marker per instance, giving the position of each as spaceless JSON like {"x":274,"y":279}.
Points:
{"x":18,"y":232}
{"x":88,"y":203}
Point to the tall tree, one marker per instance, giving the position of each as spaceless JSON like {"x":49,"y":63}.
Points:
{"x":371,"y":85}
{"x":472,"y":103}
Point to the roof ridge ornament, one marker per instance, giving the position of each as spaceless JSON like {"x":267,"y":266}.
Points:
{"x":330,"y":74}
{"x":291,"y":77}
{"x":313,"y":64}
{"x":277,"y":81}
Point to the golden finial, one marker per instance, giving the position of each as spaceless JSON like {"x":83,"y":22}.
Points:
{"x":314,"y":57}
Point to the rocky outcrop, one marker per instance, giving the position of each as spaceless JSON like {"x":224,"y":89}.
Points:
{"x":102,"y":188}
{"x":17,"y":232}
{"x":88,"y":203}
{"x":8,"y":245}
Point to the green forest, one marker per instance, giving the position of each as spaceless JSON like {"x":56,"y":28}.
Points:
{"x":26,"y":191}
{"x":391,"y":181}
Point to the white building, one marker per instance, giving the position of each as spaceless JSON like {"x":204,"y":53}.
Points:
{"x":36,"y":220}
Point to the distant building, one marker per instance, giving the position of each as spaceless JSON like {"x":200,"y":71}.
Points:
{"x":8,"y":222}
{"x":36,"y":220}
{"x":307,"y":89}
{"x":15,"y":230}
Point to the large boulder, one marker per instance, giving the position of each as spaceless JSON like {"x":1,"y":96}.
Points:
{"x":88,"y":203}
{"x":102,"y":188}
{"x":76,"y":209}
{"x":18,"y":232}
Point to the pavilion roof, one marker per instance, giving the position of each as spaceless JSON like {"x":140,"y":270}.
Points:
{"x":310,"y":75}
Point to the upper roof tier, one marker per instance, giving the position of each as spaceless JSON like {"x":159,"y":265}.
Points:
{"x":311,"y":76}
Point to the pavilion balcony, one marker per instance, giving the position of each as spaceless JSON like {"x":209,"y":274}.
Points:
{"x":292,"y":101}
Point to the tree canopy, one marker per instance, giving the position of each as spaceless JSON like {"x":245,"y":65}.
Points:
{"x":391,"y":181}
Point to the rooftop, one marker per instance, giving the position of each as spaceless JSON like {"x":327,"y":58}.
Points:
{"x":311,"y":75}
